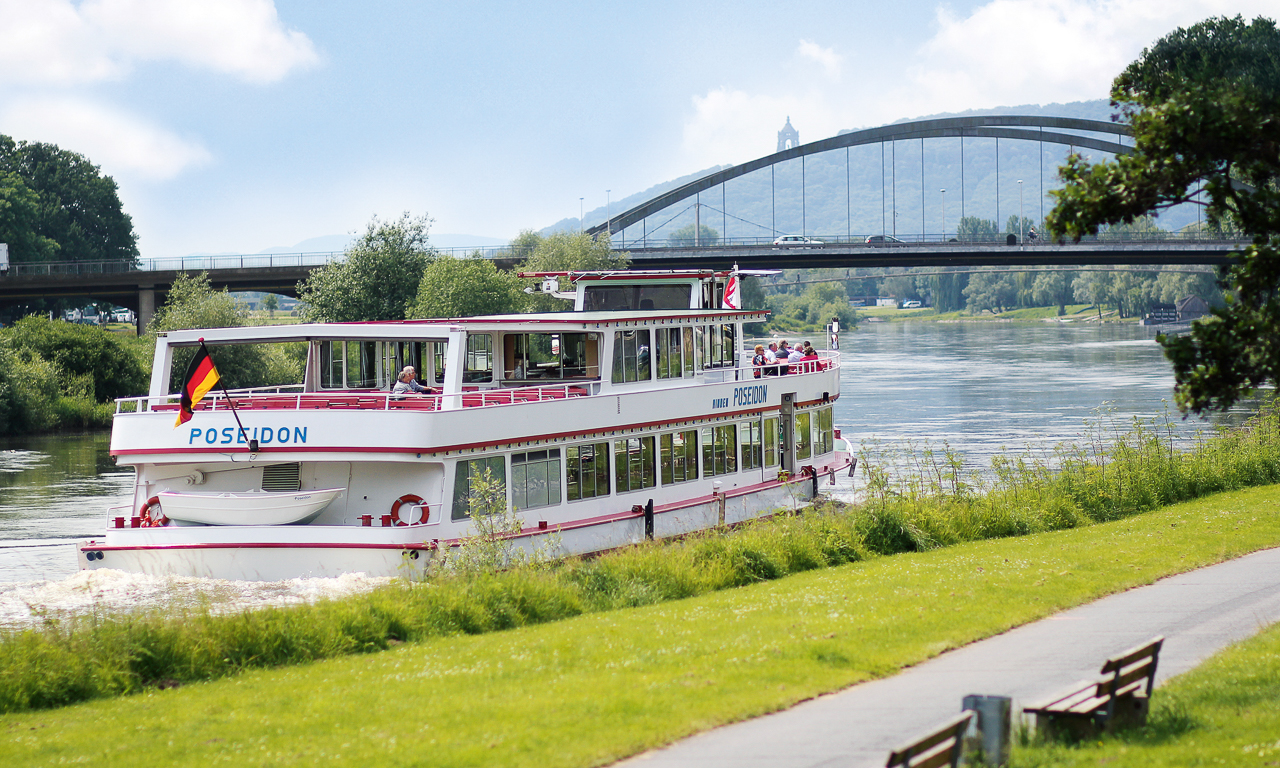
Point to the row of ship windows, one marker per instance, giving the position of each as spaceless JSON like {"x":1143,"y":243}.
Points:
{"x":538,"y":477}
{"x":638,"y":355}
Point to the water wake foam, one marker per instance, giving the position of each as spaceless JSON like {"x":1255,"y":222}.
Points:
{"x":104,"y":592}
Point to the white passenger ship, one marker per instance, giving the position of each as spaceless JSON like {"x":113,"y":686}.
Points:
{"x":638,"y":414}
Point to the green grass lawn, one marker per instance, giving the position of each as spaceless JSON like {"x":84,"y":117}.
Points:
{"x":1224,"y":712}
{"x":589,"y":690}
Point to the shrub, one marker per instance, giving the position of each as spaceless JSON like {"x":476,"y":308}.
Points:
{"x":92,"y":354}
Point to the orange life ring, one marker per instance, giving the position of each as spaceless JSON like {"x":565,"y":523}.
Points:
{"x":412,"y":500}
{"x":147,"y":518}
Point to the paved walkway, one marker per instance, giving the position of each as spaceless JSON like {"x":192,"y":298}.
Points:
{"x":1199,"y":613}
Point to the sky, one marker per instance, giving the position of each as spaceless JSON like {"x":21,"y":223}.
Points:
{"x":233,"y":126}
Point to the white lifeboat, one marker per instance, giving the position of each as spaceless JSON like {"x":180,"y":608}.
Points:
{"x":247,"y":507}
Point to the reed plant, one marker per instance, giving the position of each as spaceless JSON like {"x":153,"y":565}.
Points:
{"x":1113,"y":474}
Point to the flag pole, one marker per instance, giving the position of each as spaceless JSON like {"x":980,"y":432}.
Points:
{"x":253,"y":444}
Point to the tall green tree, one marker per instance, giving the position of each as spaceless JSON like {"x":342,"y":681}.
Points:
{"x":974,"y":228}
{"x":192,"y":303}
{"x":78,"y":208}
{"x":567,"y":252}
{"x":453,"y":287}
{"x":377,"y":279}
{"x":1053,"y":288}
{"x":684,"y":236}
{"x":990,"y":290}
{"x":20,"y":221}
{"x":1204,"y":106}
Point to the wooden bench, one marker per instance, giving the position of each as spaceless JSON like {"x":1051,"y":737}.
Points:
{"x":1120,"y":697}
{"x":940,"y":747}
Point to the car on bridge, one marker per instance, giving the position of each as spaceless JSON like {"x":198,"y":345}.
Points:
{"x":883,"y":240}
{"x":793,"y":241}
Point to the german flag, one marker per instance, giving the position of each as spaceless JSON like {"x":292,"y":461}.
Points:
{"x":201,"y":376}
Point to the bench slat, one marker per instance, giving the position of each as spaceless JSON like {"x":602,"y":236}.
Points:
{"x":1138,"y":673}
{"x":1065,"y":698}
{"x":1088,"y":706}
{"x":906,"y":755}
{"x":1150,"y":648}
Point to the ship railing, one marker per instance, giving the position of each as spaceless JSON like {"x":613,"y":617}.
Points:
{"x":292,"y":398}
{"x":826,"y":360}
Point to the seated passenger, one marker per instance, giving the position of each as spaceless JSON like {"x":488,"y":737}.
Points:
{"x":771,"y":359}
{"x":794,"y":356}
{"x":759,"y":360}
{"x":407,"y":383}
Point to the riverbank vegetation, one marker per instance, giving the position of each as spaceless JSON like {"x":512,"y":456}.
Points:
{"x":916,"y":501}
{"x":56,"y":375}
{"x":640,"y":677}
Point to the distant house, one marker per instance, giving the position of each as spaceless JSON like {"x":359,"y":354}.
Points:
{"x":1191,"y":307}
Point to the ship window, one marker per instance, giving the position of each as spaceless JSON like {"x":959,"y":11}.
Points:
{"x":679,"y":456}
{"x":362,"y":364}
{"x":587,"y":471}
{"x":630,"y":356}
{"x":823,"y":439}
{"x":728,"y":351}
{"x":535,"y":479}
{"x":437,"y":354}
{"x":402,"y":353}
{"x":688,"y":352}
{"x":331,"y":364}
{"x":478,"y":366}
{"x":771,"y":440}
{"x":719,"y":450}
{"x":551,"y":355}
{"x":469,"y":484}
{"x":669,"y":361}
{"x":752,"y":447}
{"x":633,"y":463}
{"x":804,"y":436}
{"x":349,"y":364}
{"x":715,"y":345}
{"x":629,"y":297}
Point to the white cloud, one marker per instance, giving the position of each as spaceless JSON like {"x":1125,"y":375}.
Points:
{"x":1006,"y":52}
{"x":827,"y":57}
{"x":121,"y":143}
{"x":1041,"y":51}
{"x":55,"y":42}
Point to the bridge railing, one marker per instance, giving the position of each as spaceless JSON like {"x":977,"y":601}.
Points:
{"x":934,"y":239}
{"x":269,"y":260}
{"x":224,"y":261}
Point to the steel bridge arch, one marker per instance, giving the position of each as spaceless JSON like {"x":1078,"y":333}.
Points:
{"x":1025,"y":127}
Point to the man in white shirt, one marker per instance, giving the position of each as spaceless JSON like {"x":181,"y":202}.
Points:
{"x":771,"y":359}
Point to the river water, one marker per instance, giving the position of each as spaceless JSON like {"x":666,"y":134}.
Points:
{"x":977,"y":388}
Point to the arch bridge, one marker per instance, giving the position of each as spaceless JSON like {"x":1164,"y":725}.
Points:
{"x":1065,"y":131}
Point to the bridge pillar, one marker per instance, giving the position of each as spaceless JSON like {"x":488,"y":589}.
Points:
{"x":146,"y":307}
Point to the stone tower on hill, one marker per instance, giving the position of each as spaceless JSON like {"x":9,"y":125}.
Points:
{"x":788,"y":137}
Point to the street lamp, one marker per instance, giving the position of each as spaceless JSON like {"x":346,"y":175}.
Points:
{"x":944,"y":214}
{"x":1019,"y":213}
{"x":608,"y":212}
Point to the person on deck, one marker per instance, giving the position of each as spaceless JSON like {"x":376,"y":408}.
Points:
{"x":784,"y":354}
{"x":407,"y":383}
{"x":771,"y":359}
{"x":759,"y":360}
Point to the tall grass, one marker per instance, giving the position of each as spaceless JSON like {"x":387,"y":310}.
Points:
{"x":1117,"y":470}
{"x":1113,"y":474}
